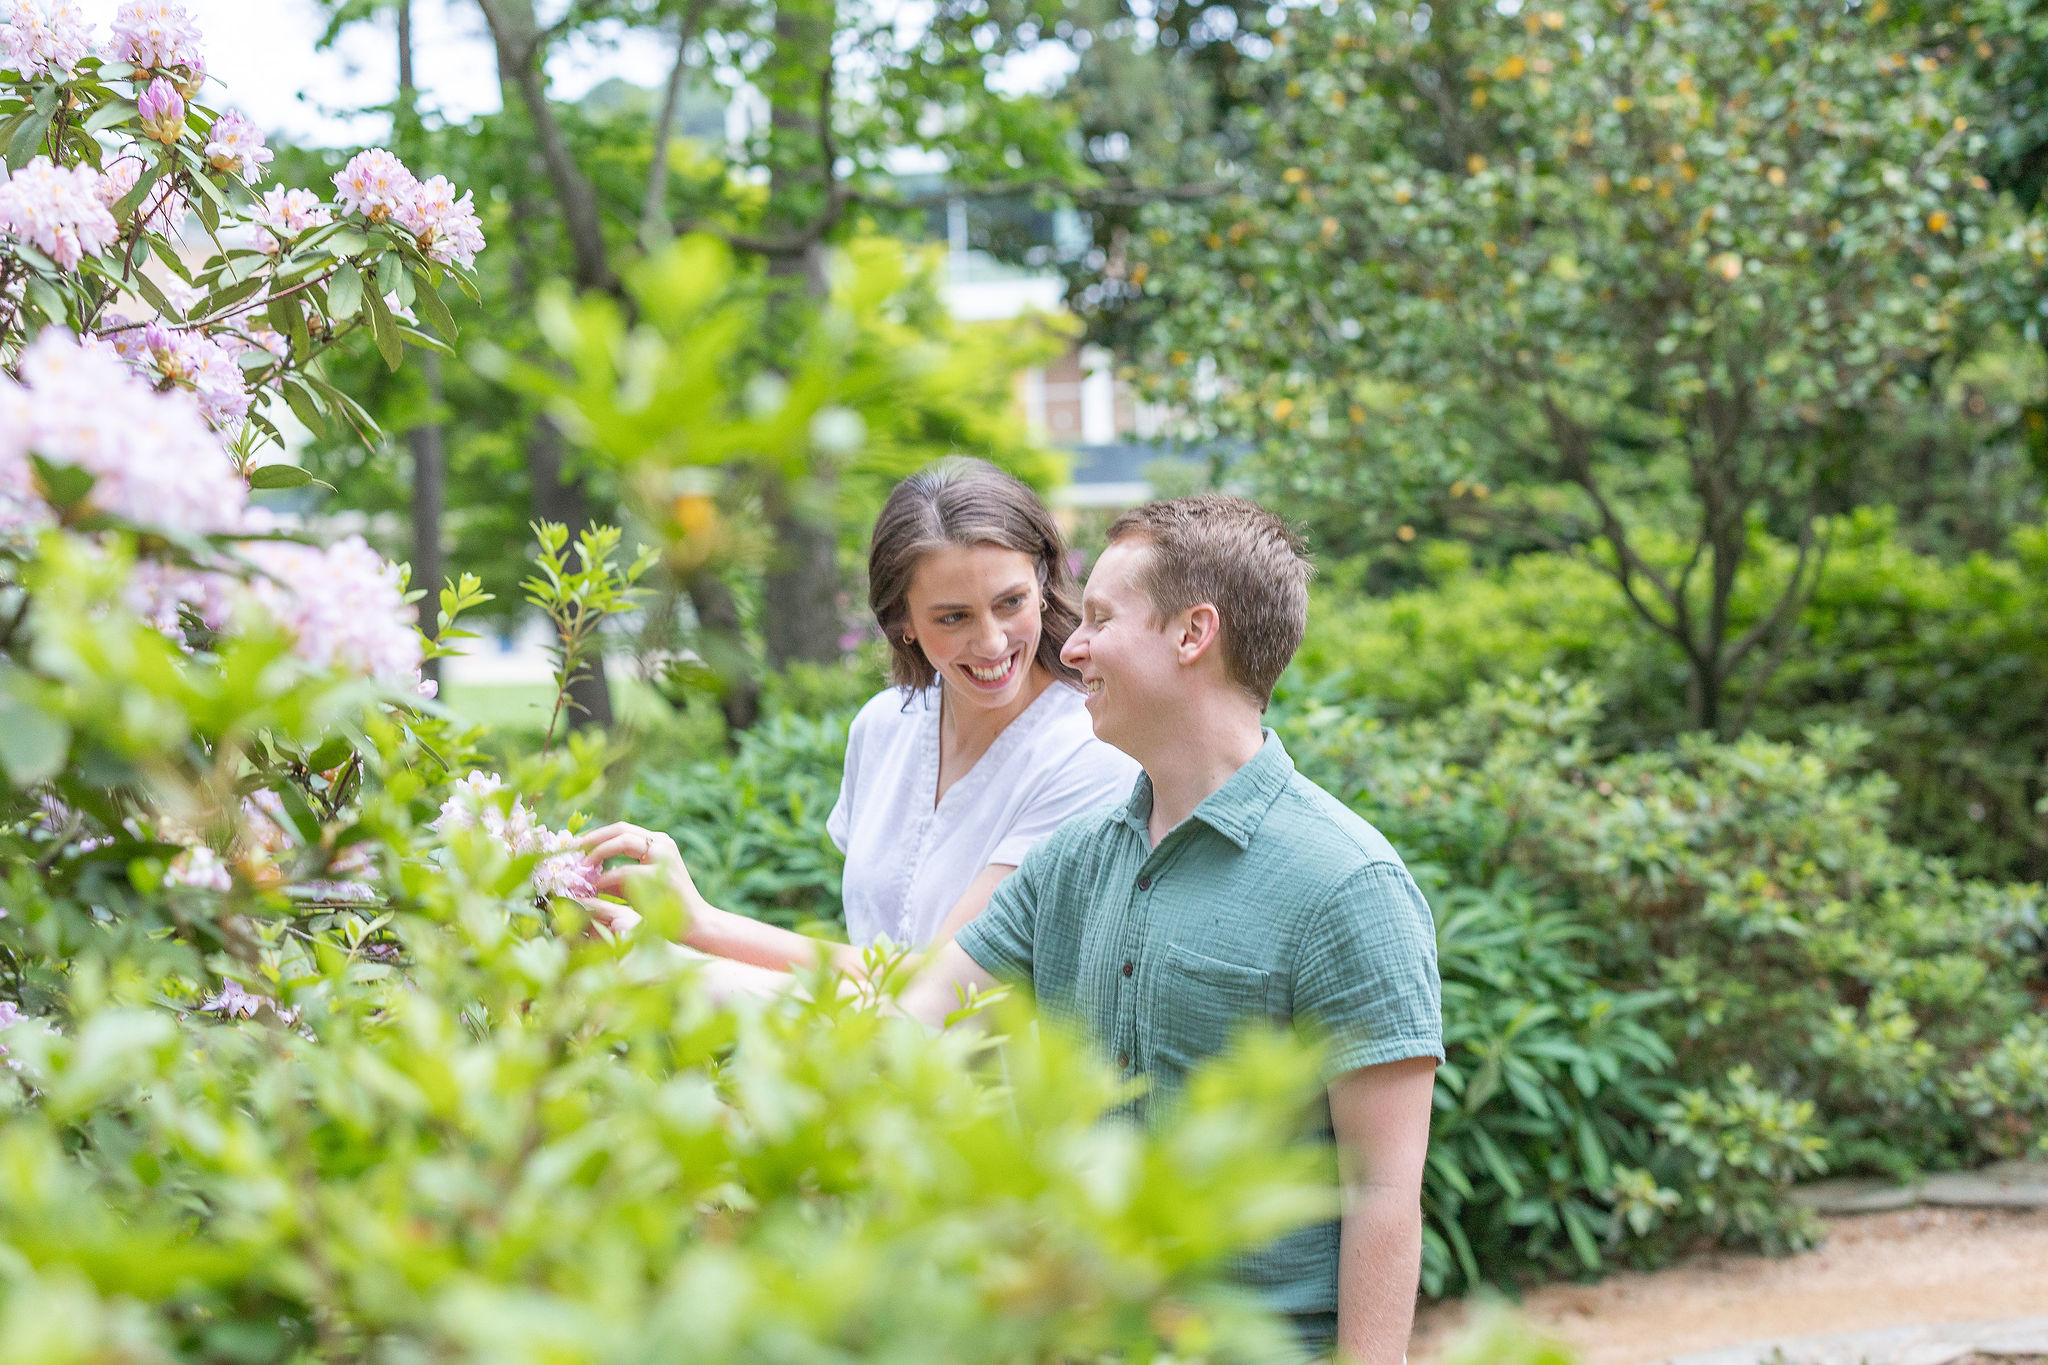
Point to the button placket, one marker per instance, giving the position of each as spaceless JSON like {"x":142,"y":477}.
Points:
{"x":1127,"y":985}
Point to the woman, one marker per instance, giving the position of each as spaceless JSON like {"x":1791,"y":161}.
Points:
{"x":981,"y":747}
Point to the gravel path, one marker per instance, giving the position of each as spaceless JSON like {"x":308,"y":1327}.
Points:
{"x":1896,"y":1269}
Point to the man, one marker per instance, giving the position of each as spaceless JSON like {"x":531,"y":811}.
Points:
{"x":1230,"y":889}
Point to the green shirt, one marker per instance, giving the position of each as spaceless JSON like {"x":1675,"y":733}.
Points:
{"x":1272,"y":903}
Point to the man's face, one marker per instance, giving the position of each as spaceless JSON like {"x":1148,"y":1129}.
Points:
{"x":1127,"y":660}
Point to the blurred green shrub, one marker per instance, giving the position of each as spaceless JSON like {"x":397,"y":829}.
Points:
{"x":751,"y":824}
{"x":1943,"y":664}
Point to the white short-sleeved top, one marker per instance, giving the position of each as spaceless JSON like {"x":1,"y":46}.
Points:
{"x":908,"y":862}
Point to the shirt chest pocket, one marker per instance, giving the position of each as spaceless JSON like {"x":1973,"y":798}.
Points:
{"x":1200,"y":1004}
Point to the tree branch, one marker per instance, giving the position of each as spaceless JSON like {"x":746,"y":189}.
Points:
{"x":1570,"y":440}
{"x":518,"y":43}
{"x":653,"y":213}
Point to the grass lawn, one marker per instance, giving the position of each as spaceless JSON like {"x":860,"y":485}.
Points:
{"x":524,"y":706}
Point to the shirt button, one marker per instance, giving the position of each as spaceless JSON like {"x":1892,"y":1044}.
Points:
{"x":1130,"y":967}
{"x":1144,"y":883}
{"x":1123,"y":1059}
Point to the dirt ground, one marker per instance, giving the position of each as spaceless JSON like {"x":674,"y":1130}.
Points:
{"x":1920,"y":1265}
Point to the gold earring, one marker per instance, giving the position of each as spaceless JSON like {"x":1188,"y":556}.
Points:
{"x":908,"y":638}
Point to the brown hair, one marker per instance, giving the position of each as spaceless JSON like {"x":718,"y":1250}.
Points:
{"x":962,"y":501}
{"x":1239,"y":558}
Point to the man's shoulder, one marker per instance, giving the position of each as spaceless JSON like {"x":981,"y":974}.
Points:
{"x":1312,"y":823}
{"x":1079,"y":839}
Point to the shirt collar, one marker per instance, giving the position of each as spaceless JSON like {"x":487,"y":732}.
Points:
{"x":1237,"y":808}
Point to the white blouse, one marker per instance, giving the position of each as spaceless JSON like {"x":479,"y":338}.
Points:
{"x":909,"y":861}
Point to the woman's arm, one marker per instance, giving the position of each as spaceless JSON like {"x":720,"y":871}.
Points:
{"x":971,"y":903}
{"x":720,"y":933}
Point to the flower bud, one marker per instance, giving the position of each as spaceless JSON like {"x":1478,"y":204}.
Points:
{"x":163,"y":111}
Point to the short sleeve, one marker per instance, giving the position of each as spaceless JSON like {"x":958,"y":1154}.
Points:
{"x":1000,"y":938}
{"x":1094,"y":775}
{"x":839,"y":824}
{"x":1366,"y":982}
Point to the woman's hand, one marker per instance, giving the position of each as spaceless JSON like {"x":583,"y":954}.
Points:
{"x":647,"y":848}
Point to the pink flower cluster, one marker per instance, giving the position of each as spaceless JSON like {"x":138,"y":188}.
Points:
{"x":377,"y":185}
{"x":151,"y":456}
{"x":59,"y":210}
{"x":45,"y":36}
{"x":199,"y":866}
{"x":233,"y":1002}
{"x":290,"y":212}
{"x":478,"y":802}
{"x":340,"y":604}
{"x":206,"y":363}
{"x":161,"y":207}
{"x":235,"y":145}
{"x":157,"y":35}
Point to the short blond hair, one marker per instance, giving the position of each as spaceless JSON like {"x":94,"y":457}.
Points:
{"x":1239,"y":558}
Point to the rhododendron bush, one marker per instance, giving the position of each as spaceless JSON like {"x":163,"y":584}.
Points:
{"x":309,"y":1048}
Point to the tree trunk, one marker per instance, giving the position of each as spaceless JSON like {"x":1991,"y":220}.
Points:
{"x":429,"y":450}
{"x":555,"y":499}
{"x":800,"y":595}
{"x":517,"y":38}
{"x":723,"y":644}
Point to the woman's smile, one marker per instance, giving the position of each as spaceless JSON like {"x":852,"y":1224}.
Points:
{"x":996,"y":676}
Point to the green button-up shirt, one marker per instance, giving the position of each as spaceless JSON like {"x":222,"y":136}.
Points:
{"x":1274,"y":903}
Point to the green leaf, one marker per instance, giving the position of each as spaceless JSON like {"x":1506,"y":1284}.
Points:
{"x":345,"y":293}
{"x":389,"y":269}
{"x":348,"y":241}
{"x":389,"y":344}
{"x":63,"y":486}
{"x":27,"y":139}
{"x":109,"y":114}
{"x":289,"y":475}
{"x":33,"y":743}
{"x":133,"y":199}
{"x":435,"y":310}
{"x":231,"y":295}
{"x":307,"y":410}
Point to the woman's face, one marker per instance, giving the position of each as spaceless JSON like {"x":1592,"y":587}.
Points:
{"x":975,"y":610}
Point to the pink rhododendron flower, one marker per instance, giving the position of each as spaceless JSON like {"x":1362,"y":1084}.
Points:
{"x":160,"y":594}
{"x":194,"y":359}
{"x":45,"y":36}
{"x":199,"y":867}
{"x":156,"y":35}
{"x":58,"y":210}
{"x":290,"y":212}
{"x":235,"y":145}
{"x":11,"y":1017}
{"x":375,"y":183}
{"x":340,"y":604}
{"x":162,"y":206}
{"x":163,"y":111}
{"x":478,"y":802}
{"x":151,"y":456}
{"x":233,"y":1002}
{"x":446,"y":228}
{"x":566,"y":872}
